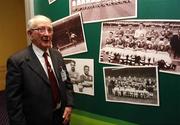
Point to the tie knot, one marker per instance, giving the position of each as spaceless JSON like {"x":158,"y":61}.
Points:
{"x":45,"y":54}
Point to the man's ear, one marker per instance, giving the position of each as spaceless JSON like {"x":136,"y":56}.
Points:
{"x":29,"y":32}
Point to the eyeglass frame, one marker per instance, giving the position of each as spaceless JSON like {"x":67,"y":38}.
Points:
{"x":43,"y":30}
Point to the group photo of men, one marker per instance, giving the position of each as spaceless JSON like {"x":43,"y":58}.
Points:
{"x":135,"y":85}
{"x":98,"y":10}
{"x":141,"y":43}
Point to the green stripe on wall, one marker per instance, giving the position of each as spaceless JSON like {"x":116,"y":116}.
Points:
{"x":85,"y":118}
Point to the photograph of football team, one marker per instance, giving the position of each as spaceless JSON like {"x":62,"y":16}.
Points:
{"x":69,"y":36}
{"x":141,"y":43}
{"x":81,"y":73}
{"x":133,"y":85}
{"x":101,"y":10}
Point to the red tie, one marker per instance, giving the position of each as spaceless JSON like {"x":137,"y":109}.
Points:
{"x":53,"y":81}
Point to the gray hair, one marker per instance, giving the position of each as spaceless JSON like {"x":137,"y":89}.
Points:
{"x":34,"y":21}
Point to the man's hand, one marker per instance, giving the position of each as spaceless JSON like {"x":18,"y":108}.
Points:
{"x":67,"y":115}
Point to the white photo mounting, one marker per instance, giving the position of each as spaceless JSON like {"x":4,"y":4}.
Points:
{"x":51,"y":1}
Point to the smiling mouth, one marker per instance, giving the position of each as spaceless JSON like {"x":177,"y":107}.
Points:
{"x":45,"y":38}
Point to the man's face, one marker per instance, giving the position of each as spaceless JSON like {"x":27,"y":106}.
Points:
{"x":72,"y":66}
{"x":110,"y":34}
{"x":119,"y":27}
{"x":130,"y":26}
{"x":179,"y":32}
{"x":86,"y":70}
{"x":141,"y":26}
{"x":41,"y":35}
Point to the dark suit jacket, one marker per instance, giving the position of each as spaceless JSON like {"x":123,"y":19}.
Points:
{"x":29,"y":100}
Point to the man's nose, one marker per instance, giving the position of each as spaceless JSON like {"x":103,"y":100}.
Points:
{"x":46,"y":32}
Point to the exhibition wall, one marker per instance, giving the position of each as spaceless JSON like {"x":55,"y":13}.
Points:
{"x":168,"y":110}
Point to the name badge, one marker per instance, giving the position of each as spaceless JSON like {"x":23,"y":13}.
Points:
{"x":63,"y":75}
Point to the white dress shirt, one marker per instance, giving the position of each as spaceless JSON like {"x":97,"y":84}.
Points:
{"x":39,"y":53}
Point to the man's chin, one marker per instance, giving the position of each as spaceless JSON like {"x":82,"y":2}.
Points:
{"x":47,"y":45}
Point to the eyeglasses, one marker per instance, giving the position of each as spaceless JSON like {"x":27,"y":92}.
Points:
{"x":43,"y":30}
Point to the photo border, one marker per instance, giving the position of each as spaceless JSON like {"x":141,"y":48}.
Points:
{"x":51,"y":1}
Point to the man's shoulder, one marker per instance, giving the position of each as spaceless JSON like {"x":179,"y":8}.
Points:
{"x":55,"y":51}
{"x":21,"y":53}
{"x":20,"y":56}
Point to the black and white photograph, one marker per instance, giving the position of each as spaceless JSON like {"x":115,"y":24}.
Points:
{"x":133,"y":85}
{"x":81,"y":73}
{"x":51,"y":1}
{"x":68,"y":37}
{"x":141,"y":43}
{"x":101,"y":10}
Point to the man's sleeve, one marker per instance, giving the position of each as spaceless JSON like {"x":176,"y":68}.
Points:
{"x":14,"y":92}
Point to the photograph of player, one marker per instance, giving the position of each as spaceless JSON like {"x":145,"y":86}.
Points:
{"x":81,"y":73}
{"x":69,"y":36}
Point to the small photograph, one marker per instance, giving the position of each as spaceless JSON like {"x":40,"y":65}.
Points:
{"x":51,"y":1}
{"x":133,"y":85}
{"x":101,"y":10}
{"x":81,"y":73}
{"x":68,"y":37}
{"x":141,"y":43}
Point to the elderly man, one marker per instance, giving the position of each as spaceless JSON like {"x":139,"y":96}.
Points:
{"x":39,"y":91}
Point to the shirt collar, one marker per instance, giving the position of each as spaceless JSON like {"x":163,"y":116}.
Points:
{"x":38,"y":51}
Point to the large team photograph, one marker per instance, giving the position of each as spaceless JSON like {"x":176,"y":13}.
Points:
{"x":132,"y":85}
{"x":101,"y":10}
{"x":141,"y":43}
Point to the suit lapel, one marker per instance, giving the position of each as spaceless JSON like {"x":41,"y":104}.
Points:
{"x":35,"y":65}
